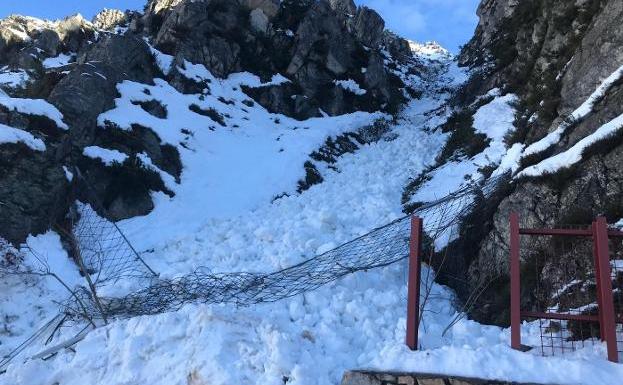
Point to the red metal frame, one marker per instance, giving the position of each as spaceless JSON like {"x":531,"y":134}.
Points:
{"x":604,"y":276}
{"x":605,"y":301}
{"x":515,"y":283}
{"x":415,"y":268}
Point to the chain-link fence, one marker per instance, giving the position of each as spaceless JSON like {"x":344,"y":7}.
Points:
{"x":105,"y":257}
{"x":109,"y":257}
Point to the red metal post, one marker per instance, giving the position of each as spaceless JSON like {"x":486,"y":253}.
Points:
{"x":602,"y":333}
{"x":604,"y":277}
{"x":515,"y":267}
{"x":413,"y":299}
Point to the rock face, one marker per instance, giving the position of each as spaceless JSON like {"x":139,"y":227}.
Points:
{"x":77,"y":65}
{"x":553,"y":55}
{"x":109,"y":18}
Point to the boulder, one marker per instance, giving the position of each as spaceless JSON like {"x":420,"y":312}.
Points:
{"x":213,"y":40}
{"x":368,"y":26}
{"x":270,"y":8}
{"x":258,"y":21}
{"x":125,"y":54}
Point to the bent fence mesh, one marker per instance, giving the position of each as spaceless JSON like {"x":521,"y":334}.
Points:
{"x":108,"y":257}
{"x":111,"y":257}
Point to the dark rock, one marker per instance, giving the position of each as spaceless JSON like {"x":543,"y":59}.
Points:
{"x":49,"y":41}
{"x":553,"y":55}
{"x":82,"y":95}
{"x":346,"y":7}
{"x":205,"y":33}
{"x":270,"y":8}
{"x":368,"y":27}
{"x":128,"y":56}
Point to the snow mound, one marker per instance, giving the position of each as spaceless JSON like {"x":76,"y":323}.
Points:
{"x":14,"y":135}
{"x":38,"y":107}
{"x":107,"y":156}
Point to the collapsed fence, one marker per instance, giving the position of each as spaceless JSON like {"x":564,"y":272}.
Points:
{"x":381,"y":247}
{"x":106,"y":257}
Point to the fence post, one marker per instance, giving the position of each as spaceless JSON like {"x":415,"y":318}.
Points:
{"x":602,"y":333}
{"x":604,"y":277}
{"x":515,"y":267}
{"x":413,"y":299}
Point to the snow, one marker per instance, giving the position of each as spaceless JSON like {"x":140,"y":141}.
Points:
{"x":510,"y":161}
{"x":164,"y":61}
{"x":222,"y":164}
{"x":68,"y":174}
{"x":38,"y":107}
{"x":222,"y":218}
{"x":574,"y":154}
{"x":107,"y":156}
{"x":430,"y":50}
{"x":580,"y":113}
{"x":14,"y":79}
{"x":351,"y":85}
{"x":59,"y":61}
{"x":15,"y":135}
{"x":28,"y":297}
{"x":495,"y":119}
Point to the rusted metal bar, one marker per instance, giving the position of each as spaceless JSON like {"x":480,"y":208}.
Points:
{"x":569,"y":232}
{"x":559,"y":316}
{"x":415,"y":270}
{"x":603,"y":275}
{"x":602,"y":334}
{"x":562,"y":232}
{"x":515,"y":267}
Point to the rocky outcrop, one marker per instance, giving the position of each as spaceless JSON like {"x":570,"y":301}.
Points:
{"x":553,"y":55}
{"x":369,"y":26}
{"x":314,"y":44}
{"x":109,"y":18}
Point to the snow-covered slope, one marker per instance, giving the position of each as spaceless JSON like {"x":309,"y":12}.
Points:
{"x":357,"y":322}
{"x":234,"y":205}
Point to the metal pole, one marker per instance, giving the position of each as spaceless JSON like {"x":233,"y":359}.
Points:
{"x":413,"y":299}
{"x":602,"y":334}
{"x":515,"y":267}
{"x":604,"y":276}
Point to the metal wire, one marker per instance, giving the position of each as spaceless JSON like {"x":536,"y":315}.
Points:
{"x":110,"y":257}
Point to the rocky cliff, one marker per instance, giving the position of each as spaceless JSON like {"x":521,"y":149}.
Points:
{"x":58,"y":77}
{"x":563,"y":59}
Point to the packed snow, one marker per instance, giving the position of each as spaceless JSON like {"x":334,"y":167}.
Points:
{"x":580,"y":113}
{"x":106,"y":155}
{"x":224,"y":216}
{"x":13,"y":79}
{"x":574,"y":154}
{"x":14,"y":135}
{"x":352,"y":86}
{"x":229,"y":151}
{"x":59,"y":61}
{"x":38,"y":107}
{"x":495,"y":119}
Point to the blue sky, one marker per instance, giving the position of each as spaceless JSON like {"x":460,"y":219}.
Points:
{"x":450,"y":22}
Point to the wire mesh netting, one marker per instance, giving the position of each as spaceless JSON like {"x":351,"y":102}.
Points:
{"x":109,"y":257}
{"x":106,"y":253}
{"x":616,"y":264}
{"x":108,"y":261}
{"x":559,"y":274}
